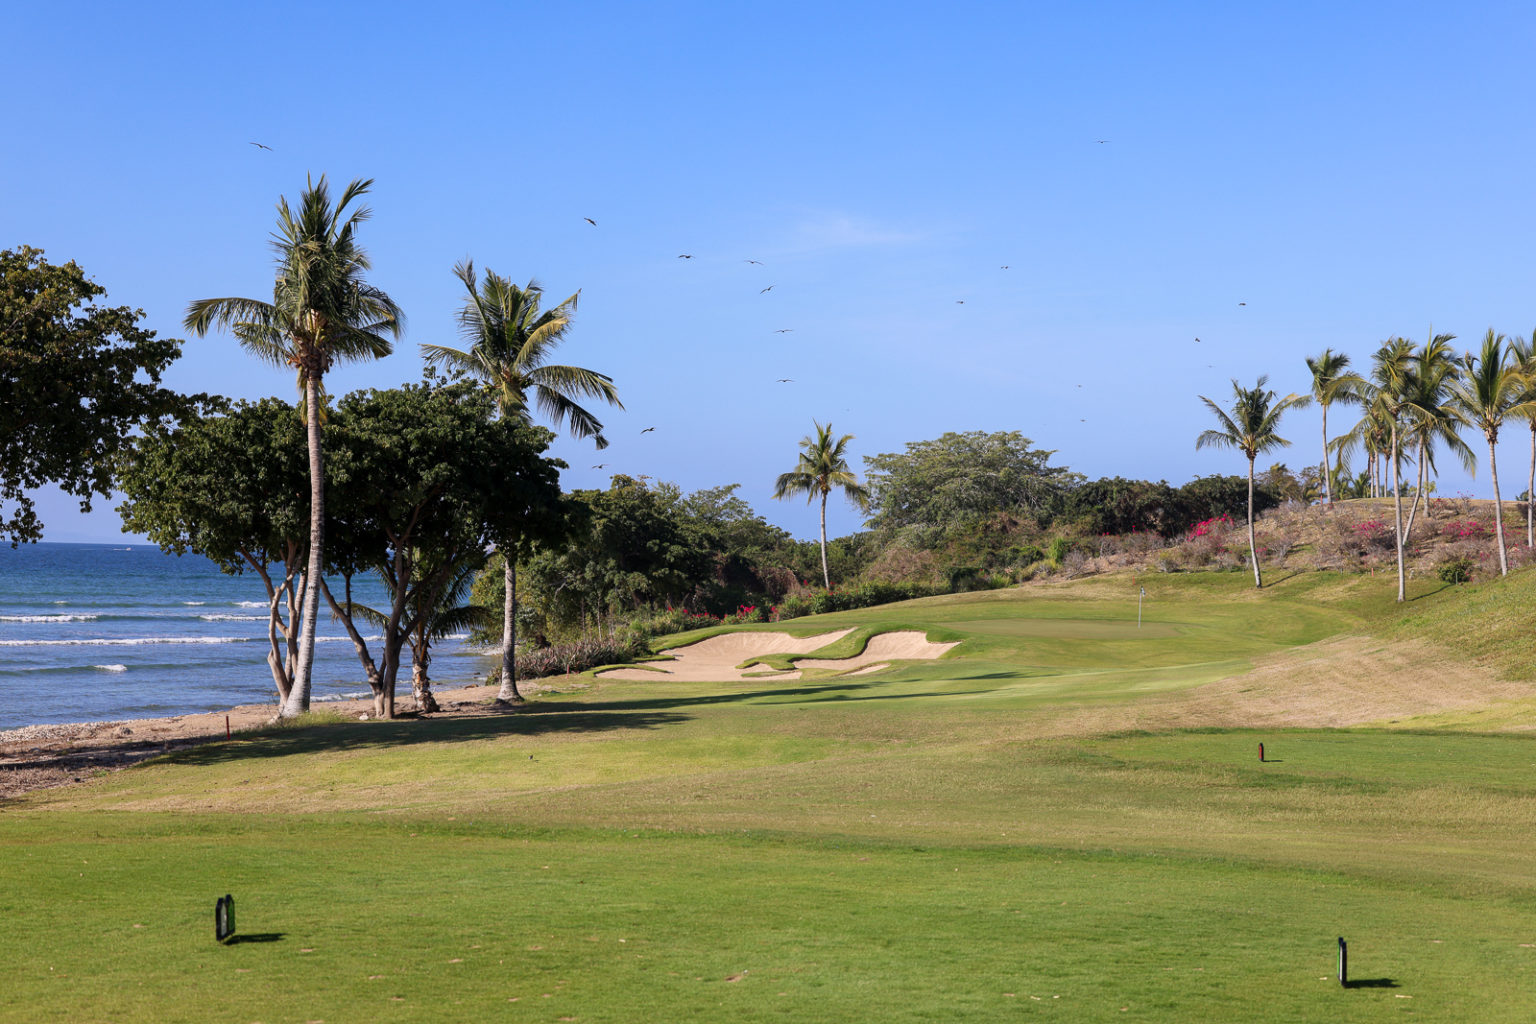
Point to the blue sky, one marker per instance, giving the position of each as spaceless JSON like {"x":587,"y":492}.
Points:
{"x":1349,"y":171}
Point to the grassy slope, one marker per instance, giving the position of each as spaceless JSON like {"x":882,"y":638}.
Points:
{"x":910,"y":845}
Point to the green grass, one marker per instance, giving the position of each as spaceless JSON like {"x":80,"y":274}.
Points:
{"x":924,"y":844}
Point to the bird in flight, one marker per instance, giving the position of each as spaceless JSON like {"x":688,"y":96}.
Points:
{"x":1101,"y":141}
{"x":785,"y":380}
{"x":1197,"y":341}
{"x":684,"y":256}
{"x":1242,"y":303}
{"x":1003,"y":267}
{"x":601,"y":465}
{"x":260,"y":146}
{"x":785,"y":330}
{"x":589,"y":220}
{"x":647,"y":430}
{"x":959,"y":302}
{"x":766,"y":290}
{"x":758,"y":262}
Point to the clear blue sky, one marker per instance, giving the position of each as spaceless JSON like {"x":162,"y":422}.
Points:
{"x":1350,"y":171}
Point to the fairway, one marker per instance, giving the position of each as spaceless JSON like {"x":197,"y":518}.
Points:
{"x":1062,"y":818}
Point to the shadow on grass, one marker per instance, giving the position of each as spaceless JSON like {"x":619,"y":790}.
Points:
{"x":533,"y":721}
{"x":235,"y":940}
{"x":1370,"y":983}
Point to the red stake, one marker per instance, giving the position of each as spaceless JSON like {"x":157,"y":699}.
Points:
{"x":228,"y":735}
{"x":1261,"y":751}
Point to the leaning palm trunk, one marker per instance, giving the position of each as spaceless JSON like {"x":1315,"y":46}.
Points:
{"x":1530,"y":492}
{"x":1498,"y":508}
{"x":1397,"y":512}
{"x":1253,"y":547}
{"x":826,"y":577}
{"x":1413,"y":509}
{"x":508,"y":693}
{"x":298,"y":697}
{"x":1327,"y":477}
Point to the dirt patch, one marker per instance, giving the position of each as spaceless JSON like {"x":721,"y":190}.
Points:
{"x":1336,"y":683}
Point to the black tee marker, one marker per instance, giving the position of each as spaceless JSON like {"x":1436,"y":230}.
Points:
{"x":1343,"y":962}
{"x":224,"y":918}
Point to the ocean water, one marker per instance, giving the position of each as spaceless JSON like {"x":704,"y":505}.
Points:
{"x":98,"y":632}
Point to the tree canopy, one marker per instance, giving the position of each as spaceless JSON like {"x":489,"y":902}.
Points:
{"x":940,"y":485}
{"x":77,"y":379}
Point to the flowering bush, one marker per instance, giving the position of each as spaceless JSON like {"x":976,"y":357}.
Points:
{"x":1464,"y":529}
{"x":744,"y":614}
{"x":1214,"y":525}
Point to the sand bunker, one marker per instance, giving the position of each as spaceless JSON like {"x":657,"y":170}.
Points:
{"x":717,"y":659}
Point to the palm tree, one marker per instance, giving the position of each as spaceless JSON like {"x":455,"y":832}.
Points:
{"x":821,"y":467}
{"x":1250,"y":428}
{"x":1492,"y":387}
{"x":510,"y":341}
{"x":1328,"y":386}
{"x":1525,"y":358}
{"x":1431,"y":416}
{"x":322,"y":311}
{"x":1391,"y":384}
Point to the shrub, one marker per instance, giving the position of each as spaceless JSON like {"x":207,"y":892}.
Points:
{"x":1455,"y":570}
{"x":1025,"y":554}
{"x":575,"y":656}
{"x":1059,"y":548}
{"x":963,"y":578}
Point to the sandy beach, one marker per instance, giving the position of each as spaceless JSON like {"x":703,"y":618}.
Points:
{"x":44,"y":756}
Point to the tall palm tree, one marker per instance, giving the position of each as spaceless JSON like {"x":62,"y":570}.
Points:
{"x":1250,"y":428}
{"x":510,"y":341}
{"x":1430,"y":415}
{"x":1492,"y":387}
{"x":322,"y":311}
{"x":1329,"y":385}
{"x":1391,"y":384}
{"x":821,"y":467}
{"x":1525,"y":358}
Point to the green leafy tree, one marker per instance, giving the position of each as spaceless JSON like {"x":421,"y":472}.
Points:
{"x":1492,"y":388}
{"x":440,"y":608}
{"x":76,"y":377}
{"x":949,"y":484}
{"x":234,"y":488}
{"x":822,"y":466}
{"x":413,"y":502}
{"x":321,"y":311}
{"x":1250,"y":428}
{"x":511,"y":340}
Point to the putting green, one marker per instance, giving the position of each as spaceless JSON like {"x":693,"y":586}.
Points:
{"x":1068,"y":629}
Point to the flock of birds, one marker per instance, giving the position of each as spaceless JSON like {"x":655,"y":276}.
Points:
{"x":765,"y":291}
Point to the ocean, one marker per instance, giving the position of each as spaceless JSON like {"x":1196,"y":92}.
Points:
{"x":101,"y":632}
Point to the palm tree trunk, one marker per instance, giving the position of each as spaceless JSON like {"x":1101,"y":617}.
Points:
{"x":1327,"y":480}
{"x":1413,"y":508}
{"x":1397,"y":513}
{"x":508,"y":693}
{"x":1253,"y":547}
{"x":298,"y":697}
{"x":1498,"y":508}
{"x":826,"y":577}
{"x":1530,"y":492}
